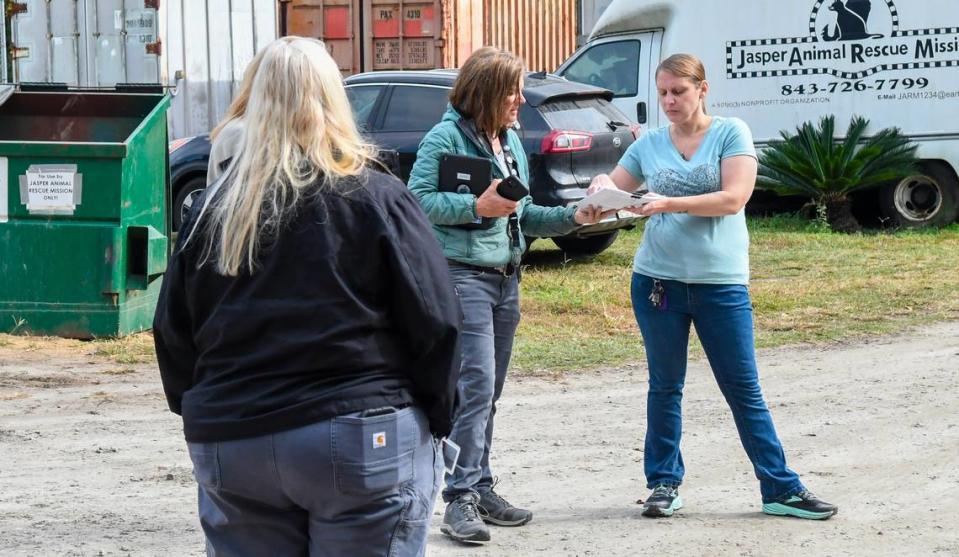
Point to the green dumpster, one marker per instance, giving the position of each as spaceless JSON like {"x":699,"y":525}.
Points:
{"x":83,"y":211}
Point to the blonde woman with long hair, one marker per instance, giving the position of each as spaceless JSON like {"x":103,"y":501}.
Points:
{"x":307,"y":333}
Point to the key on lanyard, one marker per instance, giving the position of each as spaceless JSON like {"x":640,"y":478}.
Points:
{"x":658,"y":295}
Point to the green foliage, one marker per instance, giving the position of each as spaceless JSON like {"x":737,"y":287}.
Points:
{"x":813,"y":163}
{"x":808,"y":286}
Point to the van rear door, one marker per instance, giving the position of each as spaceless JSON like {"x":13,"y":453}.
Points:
{"x":623,"y":64}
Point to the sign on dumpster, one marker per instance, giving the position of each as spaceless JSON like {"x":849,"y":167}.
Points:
{"x":51,"y":189}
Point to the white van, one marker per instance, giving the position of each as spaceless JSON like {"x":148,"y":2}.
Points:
{"x":777,"y":64}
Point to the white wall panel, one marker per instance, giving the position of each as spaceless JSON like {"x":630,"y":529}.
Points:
{"x":197,"y":64}
{"x":171,"y":29}
{"x":244,"y":44}
{"x":264,"y":22}
{"x":3,"y":46}
{"x":105,"y":42}
{"x":221,"y":59}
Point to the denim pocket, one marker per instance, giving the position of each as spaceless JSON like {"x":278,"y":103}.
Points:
{"x":372,"y":454}
{"x":206,"y":464}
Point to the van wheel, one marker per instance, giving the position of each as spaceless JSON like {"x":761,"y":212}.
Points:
{"x":185,"y":198}
{"x":927,"y":199}
{"x":590,"y":245}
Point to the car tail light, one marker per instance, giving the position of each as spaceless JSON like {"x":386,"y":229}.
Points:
{"x":177,"y":143}
{"x":637,"y":130}
{"x":560,"y":141}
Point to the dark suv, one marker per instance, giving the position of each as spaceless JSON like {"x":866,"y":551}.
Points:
{"x":570,"y":131}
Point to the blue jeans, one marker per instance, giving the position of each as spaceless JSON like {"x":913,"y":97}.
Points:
{"x":723,"y":317}
{"x":490,"y":304}
{"x":353,"y":485}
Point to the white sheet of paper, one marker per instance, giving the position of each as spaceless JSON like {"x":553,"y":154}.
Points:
{"x":609,"y":198}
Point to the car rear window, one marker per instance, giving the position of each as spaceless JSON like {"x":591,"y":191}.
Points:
{"x":581,"y":114}
{"x":415,"y":108}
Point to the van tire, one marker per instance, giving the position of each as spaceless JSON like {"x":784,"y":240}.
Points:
{"x":589,"y":245}
{"x":929,"y":199}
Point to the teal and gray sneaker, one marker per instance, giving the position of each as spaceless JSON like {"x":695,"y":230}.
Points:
{"x":801,"y":505}
{"x":663,"y":501}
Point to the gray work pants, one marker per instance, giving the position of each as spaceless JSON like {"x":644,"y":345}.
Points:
{"x":352,"y":485}
{"x":490,"y":304}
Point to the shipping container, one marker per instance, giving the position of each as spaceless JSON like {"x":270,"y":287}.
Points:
{"x":199,"y":48}
{"x":367,"y":35}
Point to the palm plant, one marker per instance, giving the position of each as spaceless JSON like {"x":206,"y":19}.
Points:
{"x":813,"y":163}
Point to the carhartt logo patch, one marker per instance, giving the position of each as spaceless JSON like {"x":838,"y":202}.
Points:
{"x":379,"y":440}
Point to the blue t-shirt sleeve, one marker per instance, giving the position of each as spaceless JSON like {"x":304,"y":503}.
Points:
{"x":738,"y":140}
{"x":632,"y":161}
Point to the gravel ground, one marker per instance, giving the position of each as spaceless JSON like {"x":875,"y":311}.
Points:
{"x":92,"y":463}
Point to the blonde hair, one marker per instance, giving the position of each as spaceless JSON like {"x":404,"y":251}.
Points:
{"x":299,"y":131}
{"x":237,"y":108}
{"x":487,"y":77}
{"x":687,"y":66}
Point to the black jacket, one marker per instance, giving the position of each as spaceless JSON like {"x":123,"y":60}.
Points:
{"x":350,"y":307}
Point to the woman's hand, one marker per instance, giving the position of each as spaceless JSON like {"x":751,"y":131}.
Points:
{"x":664,"y":205}
{"x":591,"y":215}
{"x":600,"y":182}
{"x":492,"y":205}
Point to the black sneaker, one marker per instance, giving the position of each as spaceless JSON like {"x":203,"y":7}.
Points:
{"x":663,"y":501}
{"x":496,"y":510}
{"x":801,"y":505}
{"x":461,"y":520}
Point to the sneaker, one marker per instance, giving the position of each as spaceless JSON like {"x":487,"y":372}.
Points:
{"x":462,"y":521}
{"x":496,"y":510}
{"x":801,"y":505}
{"x":663,"y":501}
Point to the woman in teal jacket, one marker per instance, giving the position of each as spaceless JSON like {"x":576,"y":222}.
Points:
{"x":484,"y":105}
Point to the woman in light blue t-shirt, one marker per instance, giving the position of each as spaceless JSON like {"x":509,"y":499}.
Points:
{"x":693,"y":268}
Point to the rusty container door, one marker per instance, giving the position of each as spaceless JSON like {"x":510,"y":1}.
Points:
{"x":335,"y":22}
{"x":403,"y":35}
{"x":543,"y":32}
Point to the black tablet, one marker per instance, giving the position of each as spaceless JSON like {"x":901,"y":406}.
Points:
{"x":465,"y":174}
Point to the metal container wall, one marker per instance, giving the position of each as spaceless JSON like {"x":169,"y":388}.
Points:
{"x":199,"y":46}
{"x":83,"y":223}
{"x":403,"y":35}
{"x":543,"y":32}
{"x":366,"y":35}
{"x":336,"y":22}
{"x":90,"y":43}
{"x":209,"y":43}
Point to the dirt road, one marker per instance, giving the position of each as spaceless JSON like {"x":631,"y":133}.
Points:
{"x":91,"y":462}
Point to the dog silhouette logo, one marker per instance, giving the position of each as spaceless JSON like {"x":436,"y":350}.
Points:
{"x":851,"y":21}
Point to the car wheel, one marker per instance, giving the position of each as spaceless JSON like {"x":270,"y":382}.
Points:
{"x":590,"y":245}
{"x":927,"y":199}
{"x":183,"y":202}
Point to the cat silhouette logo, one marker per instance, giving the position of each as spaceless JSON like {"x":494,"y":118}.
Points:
{"x":851,"y":21}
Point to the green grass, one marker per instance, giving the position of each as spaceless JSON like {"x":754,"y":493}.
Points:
{"x":132,"y":349}
{"x":808,"y":286}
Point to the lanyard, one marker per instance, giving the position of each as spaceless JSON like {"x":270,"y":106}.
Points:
{"x":512,"y":229}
